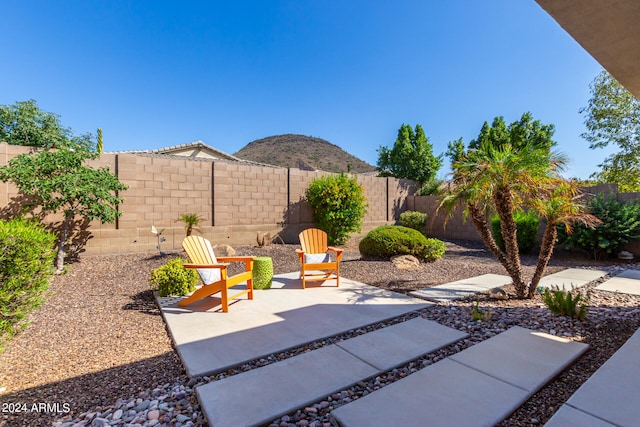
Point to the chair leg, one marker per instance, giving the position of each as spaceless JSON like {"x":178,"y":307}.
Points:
{"x":250,"y":288}
{"x":225,"y":300}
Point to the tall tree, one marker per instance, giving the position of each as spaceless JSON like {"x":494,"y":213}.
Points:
{"x":613,"y":117}
{"x":411,"y":156}
{"x":518,"y":134}
{"x":60,"y":181}
{"x":23,"y":123}
{"x":502,"y":174}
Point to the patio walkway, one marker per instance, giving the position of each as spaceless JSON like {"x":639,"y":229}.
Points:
{"x":627,"y":282}
{"x":479,"y":386}
{"x":571,"y":277}
{"x":258,"y":396}
{"x":608,"y":397}
{"x":283,"y":317}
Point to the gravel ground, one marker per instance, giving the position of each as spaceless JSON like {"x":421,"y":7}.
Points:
{"x":97,"y":352}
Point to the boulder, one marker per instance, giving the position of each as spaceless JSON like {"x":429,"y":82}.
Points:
{"x":405,"y":262}
{"x":625,"y":255}
{"x":498,"y":293}
{"x":223,"y":250}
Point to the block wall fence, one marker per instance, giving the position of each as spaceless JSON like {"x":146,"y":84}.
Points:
{"x":455,"y":227}
{"x":236,"y":201}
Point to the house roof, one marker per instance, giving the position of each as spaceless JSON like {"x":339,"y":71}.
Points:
{"x":192,"y":149}
{"x":609,"y":30}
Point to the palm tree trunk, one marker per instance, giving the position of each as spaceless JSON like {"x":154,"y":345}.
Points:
{"x":546,"y":249}
{"x":504,"y":207}
{"x":479,"y":219}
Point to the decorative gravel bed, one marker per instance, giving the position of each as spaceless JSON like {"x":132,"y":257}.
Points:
{"x":98,"y":353}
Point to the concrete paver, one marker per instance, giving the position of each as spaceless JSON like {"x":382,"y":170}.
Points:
{"x":444,"y":394}
{"x":478,"y":386}
{"x":258,"y":396}
{"x":571,"y":277}
{"x":277,"y":319}
{"x":611,"y":393}
{"x":462,"y":288}
{"x":627,"y":282}
{"x":390,"y":347}
{"x":567,"y":416}
{"x":521,"y":357}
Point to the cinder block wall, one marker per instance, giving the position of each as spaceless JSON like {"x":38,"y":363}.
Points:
{"x":237,"y":201}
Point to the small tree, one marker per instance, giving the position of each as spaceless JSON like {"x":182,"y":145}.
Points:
{"x":338,"y":204}
{"x":411,"y":156}
{"x":191,"y":222}
{"x":23,"y":123}
{"x":613,"y":117}
{"x":59,"y":180}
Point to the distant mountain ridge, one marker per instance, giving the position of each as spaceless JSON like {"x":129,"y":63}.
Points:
{"x":303,"y":152}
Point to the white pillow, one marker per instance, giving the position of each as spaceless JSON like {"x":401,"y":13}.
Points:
{"x":316,"y":258}
{"x":209,"y":275}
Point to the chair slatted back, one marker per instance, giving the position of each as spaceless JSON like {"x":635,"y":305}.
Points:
{"x":199,"y":250}
{"x":313,"y":241}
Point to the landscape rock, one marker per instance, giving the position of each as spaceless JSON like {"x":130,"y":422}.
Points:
{"x":498,"y":293}
{"x":405,"y":262}
{"x":223,"y":250}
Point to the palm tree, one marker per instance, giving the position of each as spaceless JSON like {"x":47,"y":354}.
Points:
{"x":502,"y":179}
{"x":191,"y":222}
{"x":562,"y":205}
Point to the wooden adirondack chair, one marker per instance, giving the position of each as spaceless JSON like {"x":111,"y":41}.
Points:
{"x":315,"y":258}
{"x":213,"y":272}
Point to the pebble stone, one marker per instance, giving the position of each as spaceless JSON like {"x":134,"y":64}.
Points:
{"x":176,"y":405}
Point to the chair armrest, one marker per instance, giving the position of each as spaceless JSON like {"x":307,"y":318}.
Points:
{"x":223,"y":265}
{"x":235,"y":258}
{"x":248,"y":261}
{"x":337,"y":251}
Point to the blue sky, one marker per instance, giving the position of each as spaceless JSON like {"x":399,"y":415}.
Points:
{"x":159,"y":73}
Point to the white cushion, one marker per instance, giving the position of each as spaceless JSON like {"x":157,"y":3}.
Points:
{"x":316,"y":258}
{"x":209,"y":275}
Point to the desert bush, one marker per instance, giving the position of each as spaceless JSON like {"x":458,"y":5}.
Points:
{"x":27,"y":252}
{"x":172,"y":279}
{"x":433,"y":187}
{"x":527,"y":225}
{"x":620,"y":224}
{"x":338,"y":204}
{"x":566,"y":303}
{"x":414,"y":219}
{"x":389,"y":240}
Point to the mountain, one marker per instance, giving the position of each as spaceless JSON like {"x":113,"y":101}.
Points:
{"x":303,"y":152}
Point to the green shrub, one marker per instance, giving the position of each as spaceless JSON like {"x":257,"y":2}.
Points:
{"x":389,"y":240}
{"x":27,"y":252}
{"x":338,"y":204}
{"x":620,"y":224}
{"x":414,"y":219}
{"x":431,"y":188}
{"x":172,"y":279}
{"x":527,"y":225}
{"x":564,"y":303}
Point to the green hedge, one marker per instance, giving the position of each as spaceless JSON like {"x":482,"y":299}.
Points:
{"x":390,"y":240}
{"x":527,"y":225}
{"x":27,"y":252}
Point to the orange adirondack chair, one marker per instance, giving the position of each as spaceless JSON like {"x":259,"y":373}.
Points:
{"x":315,"y":258}
{"x":214,"y":273}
